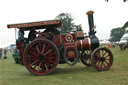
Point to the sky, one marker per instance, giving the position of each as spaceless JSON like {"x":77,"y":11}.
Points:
{"x":107,"y":15}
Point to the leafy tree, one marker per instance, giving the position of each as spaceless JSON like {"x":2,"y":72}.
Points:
{"x":125,"y":25}
{"x":116,"y":34}
{"x":123,"y":0}
{"x":66,"y":20}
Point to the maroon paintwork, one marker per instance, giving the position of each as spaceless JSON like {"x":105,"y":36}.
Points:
{"x":50,"y":47}
{"x":42,"y":24}
{"x":20,"y":46}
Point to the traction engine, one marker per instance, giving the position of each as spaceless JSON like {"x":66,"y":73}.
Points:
{"x":50,"y":48}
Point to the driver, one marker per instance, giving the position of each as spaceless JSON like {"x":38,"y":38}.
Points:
{"x":32,"y":35}
{"x":21,"y":35}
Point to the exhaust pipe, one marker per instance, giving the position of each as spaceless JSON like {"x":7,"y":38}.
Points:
{"x":91,"y":22}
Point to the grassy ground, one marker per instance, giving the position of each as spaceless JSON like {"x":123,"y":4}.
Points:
{"x":15,"y":74}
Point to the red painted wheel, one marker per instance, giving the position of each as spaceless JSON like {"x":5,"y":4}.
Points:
{"x":86,"y":57}
{"x":41,"y":57}
{"x":102,"y":59}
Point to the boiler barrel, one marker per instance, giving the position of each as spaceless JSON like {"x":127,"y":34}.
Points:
{"x":88,"y":43}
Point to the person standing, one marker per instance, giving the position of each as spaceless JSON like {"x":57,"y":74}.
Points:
{"x":0,"y":53}
{"x":5,"y":54}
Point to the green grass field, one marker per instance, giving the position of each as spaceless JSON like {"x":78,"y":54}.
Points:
{"x":16,"y":74}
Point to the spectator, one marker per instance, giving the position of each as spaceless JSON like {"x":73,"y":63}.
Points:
{"x":0,"y":53}
{"x":15,"y":50}
{"x":5,"y":54}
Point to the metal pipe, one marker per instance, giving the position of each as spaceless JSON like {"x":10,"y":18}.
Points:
{"x":91,"y":22}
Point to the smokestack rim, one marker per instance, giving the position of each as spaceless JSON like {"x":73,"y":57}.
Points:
{"x":90,"y":12}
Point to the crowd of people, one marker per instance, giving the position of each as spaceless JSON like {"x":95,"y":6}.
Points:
{"x":3,"y":52}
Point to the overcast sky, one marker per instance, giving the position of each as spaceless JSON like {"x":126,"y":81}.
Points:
{"x":107,"y":15}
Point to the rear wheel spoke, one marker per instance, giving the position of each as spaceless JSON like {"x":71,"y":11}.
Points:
{"x":34,"y":67}
{"x":43,"y":49}
{"x":37,"y":48}
{"x":46,"y":67}
{"x":48,"y":52}
{"x":50,"y":58}
{"x":34,"y":62}
{"x":33,"y":53}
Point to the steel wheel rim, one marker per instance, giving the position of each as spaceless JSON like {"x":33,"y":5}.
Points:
{"x":37,"y":49}
{"x":102,"y":59}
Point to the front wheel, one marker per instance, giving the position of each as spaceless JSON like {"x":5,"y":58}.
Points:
{"x":102,"y":59}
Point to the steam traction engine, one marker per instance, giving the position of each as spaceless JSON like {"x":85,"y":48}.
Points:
{"x":50,"y":47}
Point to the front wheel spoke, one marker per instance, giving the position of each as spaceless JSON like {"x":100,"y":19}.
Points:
{"x":106,"y":62}
{"x":104,"y":53}
{"x":103,"y":64}
{"x":107,"y":59}
{"x":107,"y":56}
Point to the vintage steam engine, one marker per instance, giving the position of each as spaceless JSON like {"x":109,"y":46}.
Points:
{"x":41,"y":55}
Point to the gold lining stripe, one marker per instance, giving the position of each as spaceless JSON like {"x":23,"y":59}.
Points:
{"x":81,"y":44}
{"x":89,"y":42}
{"x":60,"y":38}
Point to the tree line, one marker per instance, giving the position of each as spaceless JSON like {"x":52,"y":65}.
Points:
{"x":117,"y":33}
{"x":123,"y":0}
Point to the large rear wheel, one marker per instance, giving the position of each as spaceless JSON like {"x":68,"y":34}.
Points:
{"x":41,"y":57}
